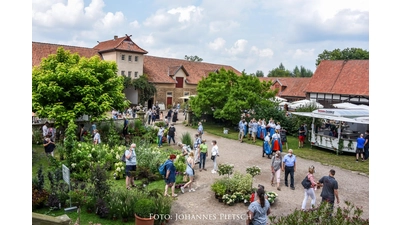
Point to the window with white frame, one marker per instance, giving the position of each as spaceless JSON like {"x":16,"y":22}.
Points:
{"x":129,"y":58}
{"x":129,"y":74}
{"x":136,"y":74}
{"x":122,"y":57}
{"x":123,"y":72}
{"x":136,"y":58}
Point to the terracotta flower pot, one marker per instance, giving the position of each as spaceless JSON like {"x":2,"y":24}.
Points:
{"x":143,"y":221}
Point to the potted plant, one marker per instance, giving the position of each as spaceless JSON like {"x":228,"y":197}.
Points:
{"x":219,"y":189}
{"x":144,"y":209}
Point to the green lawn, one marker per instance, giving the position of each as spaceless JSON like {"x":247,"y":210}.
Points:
{"x":324,"y":156}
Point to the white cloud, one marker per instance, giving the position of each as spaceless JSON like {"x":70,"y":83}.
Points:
{"x":190,"y":13}
{"x":238,"y":47}
{"x":301,"y":53}
{"x":110,"y":21}
{"x":94,"y":10}
{"x":159,"y":19}
{"x":217,"y":44}
{"x":134,"y":24}
{"x":222,"y":26}
{"x":267,"y":53}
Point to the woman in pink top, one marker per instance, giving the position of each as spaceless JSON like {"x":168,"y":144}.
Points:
{"x":310,"y":191}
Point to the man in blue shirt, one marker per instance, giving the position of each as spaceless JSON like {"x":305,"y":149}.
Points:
{"x":360,"y":147}
{"x":289,"y":166}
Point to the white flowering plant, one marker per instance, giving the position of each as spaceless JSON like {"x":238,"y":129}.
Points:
{"x":271,"y":196}
{"x":253,"y":170}
{"x":224,"y":169}
{"x":119,"y":170}
{"x":229,"y":199}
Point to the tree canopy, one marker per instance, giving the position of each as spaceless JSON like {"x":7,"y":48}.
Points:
{"x":345,"y":54}
{"x":225,"y":95}
{"x":146,"y":89}
{"x":280,"y":71}
{"x":193,"y":58}
{"x":66,"y":86}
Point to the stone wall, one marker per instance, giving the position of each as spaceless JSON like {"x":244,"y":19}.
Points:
{"x":41,"y":219}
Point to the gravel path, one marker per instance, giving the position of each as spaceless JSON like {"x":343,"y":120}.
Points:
{"x":201,"y":207}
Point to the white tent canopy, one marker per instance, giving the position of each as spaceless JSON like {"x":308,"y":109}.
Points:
{"x":346,"y":115}
{"x":304,"y":103}
{"x":347,"y":105}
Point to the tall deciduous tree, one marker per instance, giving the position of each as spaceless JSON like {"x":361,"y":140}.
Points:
{"x":66,"y":86}
{"x":225,"y":95}
{"x":345,"y":54}
{"x":302,"y":72}
{"x":280,"y":71}
{"x":193,"y":58}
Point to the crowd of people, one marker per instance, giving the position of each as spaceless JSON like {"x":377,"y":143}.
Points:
{"x":273,"y":135}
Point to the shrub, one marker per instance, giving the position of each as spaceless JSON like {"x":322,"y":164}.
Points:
{"x":323,"y":214}
{"x":187,"y":139}
{"x":144,"y":208}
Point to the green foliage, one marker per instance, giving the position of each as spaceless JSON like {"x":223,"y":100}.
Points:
{"x":225,"y":169}
{"x":146,"y":89}
{"x":70,"y":140}
{"x":187,"y":139}
{"x":323,"y":214}
{"x":99,"y":179}
{"x":66,"y":87}
{"x":144,"y":208}
{"x":110,"y":132}
{"x":193,"y":58}
{"x":259,"y":73}
{"x":224,"y":95}
{"x":302,"y":72}
{"x":39,"y":194}
{"x":345,"y":54}
{"x":280,"y":71}
{"x":219,"y":187}
{"x":37,"y":136}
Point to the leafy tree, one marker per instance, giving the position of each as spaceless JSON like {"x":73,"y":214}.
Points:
{"x":280,"y":71}
{"x":225,"y":95}
{"x":345,"y":54}
{"x":193,"y":58}
{"x":66,"y":86}
{"x":259,"y":73}
{"x":302,"y":72}
{"x":146,"y":89}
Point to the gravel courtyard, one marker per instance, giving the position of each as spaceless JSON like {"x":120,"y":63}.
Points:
{"x":200,"y":207}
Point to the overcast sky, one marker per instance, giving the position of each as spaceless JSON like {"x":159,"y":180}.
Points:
{"x":249,"y":35}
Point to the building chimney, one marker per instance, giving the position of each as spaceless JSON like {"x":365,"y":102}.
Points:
{"x":115,"y":37}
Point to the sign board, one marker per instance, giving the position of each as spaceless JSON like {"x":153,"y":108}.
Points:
{"x":65,"y":172}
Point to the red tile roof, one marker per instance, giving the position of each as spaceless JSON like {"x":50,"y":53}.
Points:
{"x":289,"y":86}
{"x":295,"y":86}
{"x":341,"y":77}
{"x":159,"y":69}
{"x":121,"y":44}
{"x":43,"y":50}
